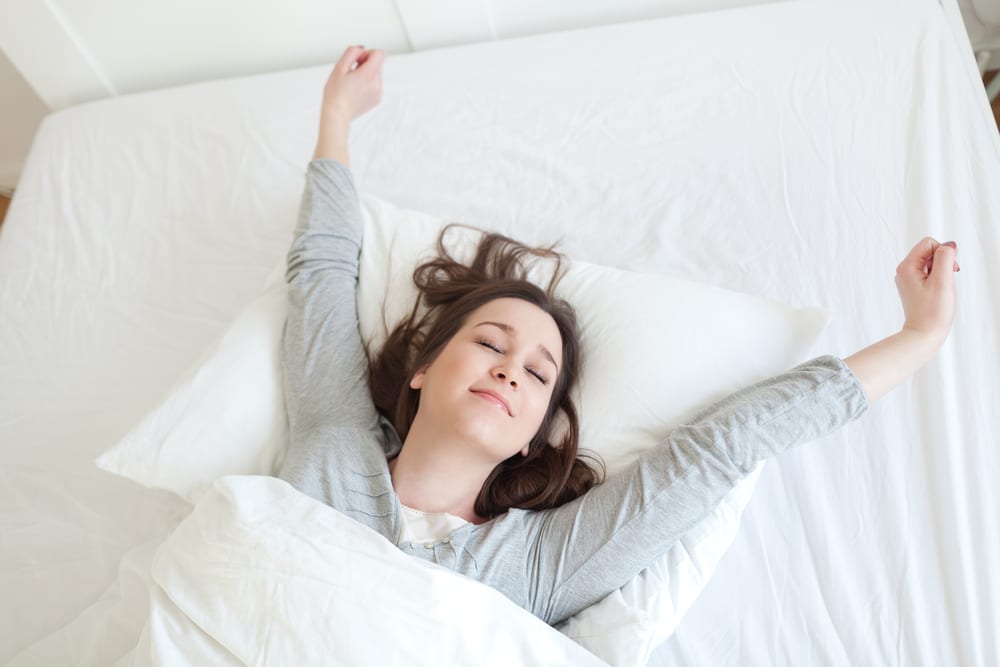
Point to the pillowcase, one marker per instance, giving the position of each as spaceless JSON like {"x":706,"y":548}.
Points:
{"x":656,"y":350}
{"x":226,"y":415}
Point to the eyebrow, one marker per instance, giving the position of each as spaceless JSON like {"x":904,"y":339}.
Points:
{"x":508,"y":329}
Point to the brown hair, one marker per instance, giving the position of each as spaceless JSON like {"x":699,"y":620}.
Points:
{"x":550,"y":475}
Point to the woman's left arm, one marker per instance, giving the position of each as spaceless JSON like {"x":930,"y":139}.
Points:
{"x":925,"y":280}
{"x":596,"y":543}
{"x":593,"y":545}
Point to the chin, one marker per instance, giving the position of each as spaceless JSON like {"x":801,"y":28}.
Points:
{"x":482,"y":436}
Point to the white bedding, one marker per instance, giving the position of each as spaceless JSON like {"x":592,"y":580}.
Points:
{"x":260,"y":574}
{"x":794,"y":151}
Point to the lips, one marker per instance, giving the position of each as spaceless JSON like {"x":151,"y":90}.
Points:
{"x":492,"y":395}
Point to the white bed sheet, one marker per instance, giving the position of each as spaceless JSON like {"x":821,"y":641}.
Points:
{"x":793,"y":150}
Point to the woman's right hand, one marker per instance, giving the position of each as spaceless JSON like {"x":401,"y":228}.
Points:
{"x":925,"y":280}
{"x":354,"y":86}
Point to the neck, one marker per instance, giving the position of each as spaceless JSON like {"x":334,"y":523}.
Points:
{"x":436,"y":474}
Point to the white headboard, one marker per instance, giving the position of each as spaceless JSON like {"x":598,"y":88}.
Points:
{"x":73,"y":51}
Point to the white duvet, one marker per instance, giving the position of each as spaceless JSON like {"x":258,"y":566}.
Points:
{"x":261,"y":574}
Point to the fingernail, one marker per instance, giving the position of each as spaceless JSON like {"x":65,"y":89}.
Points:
{"x":951,"y":244}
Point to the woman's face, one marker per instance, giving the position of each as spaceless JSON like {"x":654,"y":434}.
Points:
{"x":493,"y":381}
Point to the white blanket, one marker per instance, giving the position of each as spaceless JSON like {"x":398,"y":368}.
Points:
{"x":261,"y":574}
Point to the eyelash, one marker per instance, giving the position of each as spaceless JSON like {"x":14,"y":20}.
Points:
{"x":486,"y":343}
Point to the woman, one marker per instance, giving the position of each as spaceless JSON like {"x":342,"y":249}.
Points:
{"x":452,"y":459}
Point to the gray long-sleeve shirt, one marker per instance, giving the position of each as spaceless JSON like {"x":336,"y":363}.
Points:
{"x":554,"y":562}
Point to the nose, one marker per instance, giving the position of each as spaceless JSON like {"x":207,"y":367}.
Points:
{"x":504,"y":375}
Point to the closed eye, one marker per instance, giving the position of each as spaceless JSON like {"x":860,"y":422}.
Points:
{"x":486,"y":343}
{"x":532,"y":371}
{"x":537,"y":375}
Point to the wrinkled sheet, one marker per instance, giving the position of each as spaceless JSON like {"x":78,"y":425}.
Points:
{"x":261,"y":574}
{"x":795,"y":151}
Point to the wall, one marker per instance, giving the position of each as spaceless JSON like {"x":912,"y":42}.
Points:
{"x":983,"y":28}
{"x":21,"y":110}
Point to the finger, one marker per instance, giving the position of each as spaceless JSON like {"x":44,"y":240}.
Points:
{"x":917,"y":261}
{"x":920,"y":253}
{"x":350,"y":55}
{"x":944,"y":256}
{"x":930,"y":263}
{"x":954,"y":245}
{"x":373,"y":59}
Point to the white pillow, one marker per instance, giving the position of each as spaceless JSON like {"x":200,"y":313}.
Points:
{"x":656,"y":350}
{"x":226,"y":415}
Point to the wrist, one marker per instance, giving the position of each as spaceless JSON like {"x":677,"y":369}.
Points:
{"x":332,"y":145}
{"x":334,"y":119}
{"x":333,"y":138}
{"x":882,"y":365}
{"x":924,"y":343}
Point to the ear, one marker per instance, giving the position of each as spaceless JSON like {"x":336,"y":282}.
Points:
{"x":417,"y":381}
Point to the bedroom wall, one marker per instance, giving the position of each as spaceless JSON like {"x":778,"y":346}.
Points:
{"x":21,"y":111}
{"x":982,"y":23}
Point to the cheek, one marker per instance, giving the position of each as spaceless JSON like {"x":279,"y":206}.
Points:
{"x":449,"y":363}
{"x":540,"y":408}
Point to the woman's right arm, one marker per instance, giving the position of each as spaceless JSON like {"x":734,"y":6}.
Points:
{"x":323,"y":357}
{"x":325,"y":367}
{"x":353,"y":88}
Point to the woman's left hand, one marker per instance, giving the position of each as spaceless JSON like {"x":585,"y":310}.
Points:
{"x":926,"y":283}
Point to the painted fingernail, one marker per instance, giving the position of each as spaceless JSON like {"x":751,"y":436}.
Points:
{"x":951,"y":244}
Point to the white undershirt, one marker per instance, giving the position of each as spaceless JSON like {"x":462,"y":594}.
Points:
{"x":428,"y":526}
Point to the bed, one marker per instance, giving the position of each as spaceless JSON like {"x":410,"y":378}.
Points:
{"x":793,"y":151}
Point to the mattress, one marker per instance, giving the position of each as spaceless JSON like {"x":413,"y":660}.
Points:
{"x":793,"y":151}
